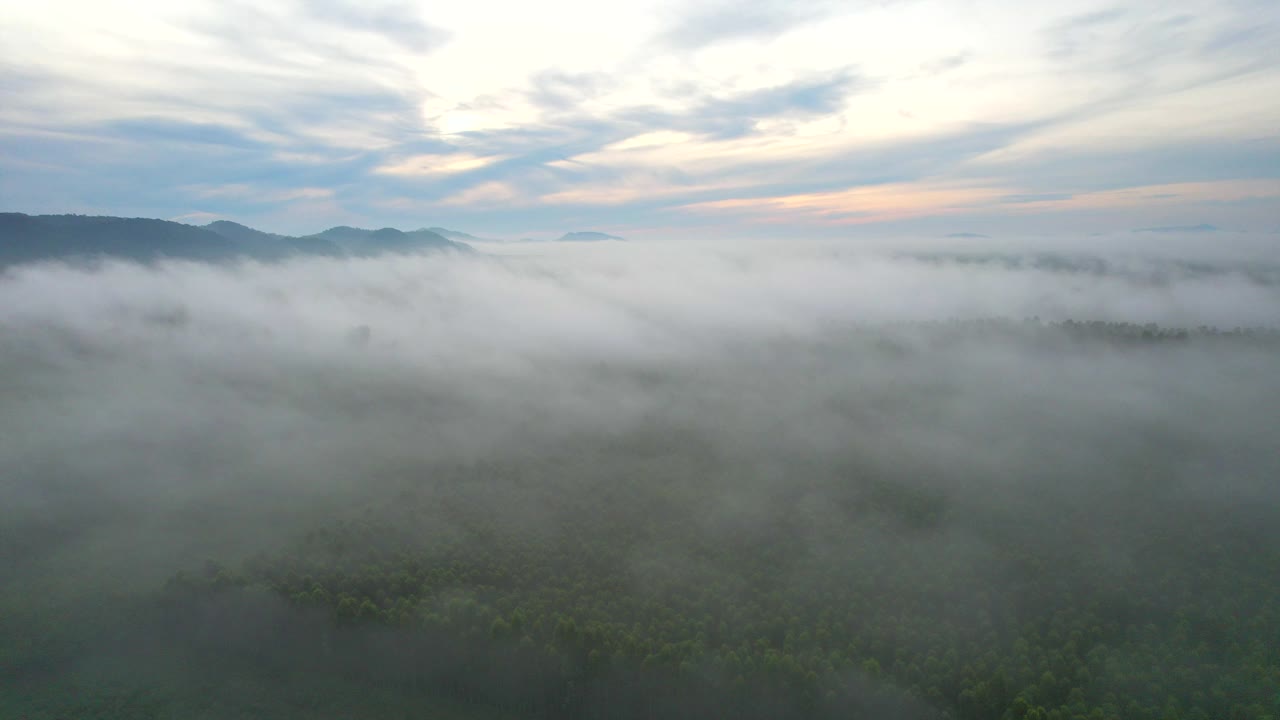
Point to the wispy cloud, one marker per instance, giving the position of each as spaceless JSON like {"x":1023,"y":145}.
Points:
{"x":946,"y":64}
{"x":707,"y":23}
{"x":871,"y":203}
{"x":401,"y":22}
{"x":435,"y":165}
{"x":1079,"y":33}
{"x":484,"y":194}
{"x":251,"y":193}
{"x":659,"y":115}
{"x":1172,"y":229}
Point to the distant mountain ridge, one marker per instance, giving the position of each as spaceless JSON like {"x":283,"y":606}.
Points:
{"x":1201,"y":228}
{"x":33,"y":238}
{"x":458,"y":235}
{"x":588,"y":236}
{"x":272,"y":245}
{"x":363,"y":243}
{"x":1150,"y":270}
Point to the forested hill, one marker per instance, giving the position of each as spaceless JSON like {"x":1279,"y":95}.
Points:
{"x":1146,"y":269}
{"x":1022,"y":521}
{"x":588,"y":236}
{"x":33,"y":238}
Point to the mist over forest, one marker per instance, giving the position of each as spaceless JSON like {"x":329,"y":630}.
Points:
{"x":630,"y":480}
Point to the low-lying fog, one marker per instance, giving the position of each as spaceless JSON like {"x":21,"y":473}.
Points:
{"x":229,"y":392}
{"x":154,"y":416}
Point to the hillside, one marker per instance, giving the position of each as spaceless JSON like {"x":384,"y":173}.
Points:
{"x":35,"y":238}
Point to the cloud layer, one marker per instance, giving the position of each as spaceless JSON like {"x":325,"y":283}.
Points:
{"x":653,"y":120}
{"x":153,"y":417}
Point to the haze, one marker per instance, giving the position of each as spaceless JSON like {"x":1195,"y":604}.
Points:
{"x":659,"y":119}
{"x":914,"y":419}
{"x":760,"y":360}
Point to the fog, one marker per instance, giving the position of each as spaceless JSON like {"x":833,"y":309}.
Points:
{"x":153,"y":417}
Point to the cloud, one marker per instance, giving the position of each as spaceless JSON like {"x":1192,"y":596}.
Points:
{"x":1178,"y":194}
{"x":558,"y":90}
{"x":1203,"y":228}
{"x":1075,"y":34}
{"x":656,"y":138}
{"x":1042,"y":197}
{"x":436,"y":165}
{"x":400,"y":22}
{"x":197,"y":218}
{"x":736,"y":115}
{"x":898,"y":201}
{"x":946,"y":64}
{"x":483,"y":195}
{"x":179,"y":132}
{"x":246,"y":192}
{"x":651,"y":110}
{"x":864,"y":204}
{"x":789,"y":396}
{"x":708,"y":23}
{"x":632,"y":188}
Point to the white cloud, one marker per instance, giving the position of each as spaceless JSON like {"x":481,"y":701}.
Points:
{"x":436,"y":165}
{"x":197,"y":218}
{"x":485,"y":194}
{"x":659,"y":138}
{"x":593,"y":91}
{"x":244,"y":191}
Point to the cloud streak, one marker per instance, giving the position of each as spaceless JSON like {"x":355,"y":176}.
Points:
{"x":411,"y":110}
{"x":708,"y":23}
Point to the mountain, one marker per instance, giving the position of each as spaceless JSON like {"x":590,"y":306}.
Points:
{"x":30,"y":238}
{"x":587,"y":237}
{"x":1148,"y":270}
{"x":27,"y":238}
{"x":270,"y":246}
{"x":457,"y":235}
{"x":1202,"y":228}
{"x":359,"y":242}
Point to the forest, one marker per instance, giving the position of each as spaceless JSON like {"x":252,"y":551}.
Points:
{"x":982,"y":518}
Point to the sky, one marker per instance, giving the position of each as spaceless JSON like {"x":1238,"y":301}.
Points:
{"x":649,"y":119}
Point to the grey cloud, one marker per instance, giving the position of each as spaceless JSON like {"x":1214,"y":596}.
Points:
{"x":1237,"y":39}
{"x":558,"y":90}
{"x":467,"y":359}
{"x":157,"y":182}
{"x":1191,"y":161}
{"x":946,"y":64}
{"x":814,"y":96}
{"x":292,"y":41}
{"x":910,"y":160}
{"x":883,"y":163}
{"x":1169,"y":229}
{"x":717,"y":21}
{"x":400,"y":23}
{"x":1073,"y":35}
{"x":172,"y":131}
{"x":152,"y":418}
{"x":736,"y":115}
{"x":1250,"y":41}
{"x":728,"y":116}
{"x":1041,"y":197}
{"x":568,"y":134}
{"x":1091,"y":19}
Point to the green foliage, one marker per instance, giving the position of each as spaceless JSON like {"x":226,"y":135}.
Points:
{"x":1192,"y":631}
{"x":619,"y":597}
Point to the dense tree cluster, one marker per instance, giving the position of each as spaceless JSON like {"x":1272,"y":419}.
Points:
{"x":610,"y":581}
{"x":1193,"y":635}
{"x":862,"y":596}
